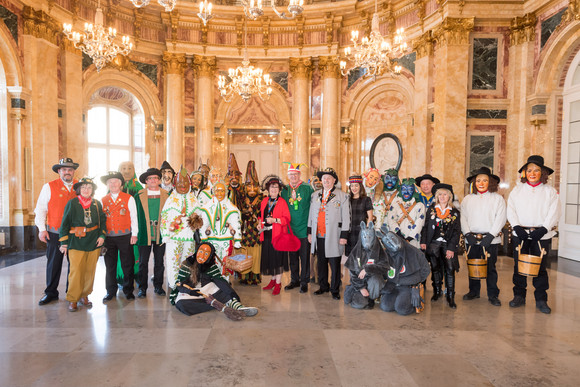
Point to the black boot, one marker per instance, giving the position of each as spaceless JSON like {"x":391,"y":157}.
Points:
{"x":450,"y":289}
{"x":451,"y":299}
{"x":437,"y":284}
{"x":436,"y":292}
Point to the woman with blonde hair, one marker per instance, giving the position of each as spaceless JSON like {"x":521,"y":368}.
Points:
{"x":440,"y":241}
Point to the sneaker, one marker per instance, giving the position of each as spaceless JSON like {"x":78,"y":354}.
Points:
{"x":249,"y":311}
{"x":517,"y":302}
{"x":543,"y":307}
{"x":142,"y":293}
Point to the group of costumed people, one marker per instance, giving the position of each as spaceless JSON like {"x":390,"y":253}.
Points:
{"x":392,"y":233}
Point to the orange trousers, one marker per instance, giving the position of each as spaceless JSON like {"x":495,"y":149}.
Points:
{"x":81,"y":276}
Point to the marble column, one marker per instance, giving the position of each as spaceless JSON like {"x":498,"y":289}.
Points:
{"x":72,"y":72}
{"x":330,"y":120}
{"x":418,"y":135}
{"x":301,"y":70}
{"x":174,"y":65}
{"x":204,"y":67}
{"x":450,"y":108}
{"x":40,"y":51}
{"x":520,"y":74}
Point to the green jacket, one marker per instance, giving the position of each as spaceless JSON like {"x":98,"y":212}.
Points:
{"x":299,"y":209}
{"x":74,"y":216}
{"x":142,"y":202}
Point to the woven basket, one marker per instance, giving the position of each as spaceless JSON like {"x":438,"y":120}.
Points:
{"x":239,"y":262}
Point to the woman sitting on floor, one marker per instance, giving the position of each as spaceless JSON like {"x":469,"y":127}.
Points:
{"x":199,"y":278}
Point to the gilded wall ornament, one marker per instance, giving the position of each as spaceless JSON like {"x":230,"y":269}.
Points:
{"x":301,"y":68}
{"x":454,"y":31}
{"x":173,"y":63}
{"x":522,"y":29}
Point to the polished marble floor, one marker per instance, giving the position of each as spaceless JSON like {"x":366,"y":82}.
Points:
{"x":296,"y":339}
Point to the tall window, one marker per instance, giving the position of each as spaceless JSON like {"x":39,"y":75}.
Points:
{"x":114,"y":136}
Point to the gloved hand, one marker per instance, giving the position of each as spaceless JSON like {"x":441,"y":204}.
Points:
{"x":486,"y":241}
{"x":521,"y":233}
{"x":416,"y":299}
{"x":538,"y":233}
{"x":470,"y":239}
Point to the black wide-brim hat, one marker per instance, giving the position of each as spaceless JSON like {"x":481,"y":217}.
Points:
{"x":85,"y":180}
{"x":427,"y":176}
{"x":166,"y":165}
{"x":150,"y":172}
{"x":539,"y":161}
{"x":271,"y":179}
{"x":444,"y":186}
{"x":65,"y":163}
{"x":483,"y":171}
{"x":113,"y":175}
{"x":327,"y":171}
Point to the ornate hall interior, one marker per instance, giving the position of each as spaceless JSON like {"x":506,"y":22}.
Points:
{"x":479,"y":83}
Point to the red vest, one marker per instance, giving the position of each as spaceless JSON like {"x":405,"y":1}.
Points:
{"x":59,"y":197}
{"x":118,"y":216}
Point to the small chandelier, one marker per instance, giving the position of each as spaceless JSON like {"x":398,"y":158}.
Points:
{"x":253,"y":9}
{"x":205,"y":11}
{"x":245,"y":81}
{"x":97,"y":42}
{"x":167,"y":4}
{"x":374,"y":53}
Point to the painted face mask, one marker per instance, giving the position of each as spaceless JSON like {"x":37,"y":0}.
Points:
{"x":203,"y":253}
{"x":391,"y":180}
{"x":219,"y":191}
{"x":407,"y":192}
{"x":182,"y":182}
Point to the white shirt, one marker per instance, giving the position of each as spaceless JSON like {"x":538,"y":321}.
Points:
{"x":483,"y":213}
{"x":534,"y":207}
{"x":42,"y":205}
{"x":132,"y":213}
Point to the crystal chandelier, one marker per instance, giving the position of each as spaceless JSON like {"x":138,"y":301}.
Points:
{"x":253,"y":9}
{"x":167,"y":4}
{"x":205,"y":11}
{"x":97,"y":42}
{"x":245,"y":81}
{"x":375,"y":53}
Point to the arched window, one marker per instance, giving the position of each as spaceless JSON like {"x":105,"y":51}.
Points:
{"x":115,"y":133}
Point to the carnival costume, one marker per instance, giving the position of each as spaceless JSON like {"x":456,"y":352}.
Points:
{"x":221,"y":225}
{"x":177,"y":236}
{"x":483,"y":215}
{"x":167,"y":177}
{"x":201,"y":191}
{"x":250,"y":220}
{"x":297,"y":197}
{"x":425,"y":199}
{"x":533,"y":212}
{"x":122,"y":226}
{"x":391,"y":195}
{"x":403,"y":293}
{"x":52,"y":200}
{"x":441,"y":234}
{"x":328,"y":223}
{"x":233,"y":179}
{"x":359,"y":209}
{"x":373,"y":186}
{"x":198,"y":279}
{"x":367,"y":255}
{"x":407,"y":216}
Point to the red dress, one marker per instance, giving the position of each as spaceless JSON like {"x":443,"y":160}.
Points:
{"x":273,"y":262}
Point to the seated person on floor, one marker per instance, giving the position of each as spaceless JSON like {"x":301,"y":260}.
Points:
{"x":409,"y":268}
{"x":367,"y":263}
{"x":200,"y":287}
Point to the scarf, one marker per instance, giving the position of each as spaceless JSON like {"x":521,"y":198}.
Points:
{"x":85,"y":203}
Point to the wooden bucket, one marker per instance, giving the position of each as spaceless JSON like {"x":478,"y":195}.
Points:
{"x":528,"y":264}
{"x":477,"y":267}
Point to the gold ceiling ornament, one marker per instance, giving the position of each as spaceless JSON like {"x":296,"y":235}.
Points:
{"x":98,"y":42}
{"x":375,"y":54}
{"x":245,"y":80}
{"x":254,"y":9}
{"x":168,"y":5}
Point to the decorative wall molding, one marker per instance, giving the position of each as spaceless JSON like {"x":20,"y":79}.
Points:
{"x":454,"y":31}
{"x":522,"y":29}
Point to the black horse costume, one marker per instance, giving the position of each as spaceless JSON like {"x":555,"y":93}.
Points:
{"x":367,"y":255}
{"x":408,"y":269}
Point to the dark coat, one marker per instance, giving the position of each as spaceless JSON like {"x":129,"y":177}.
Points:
{"x":452,"y":233}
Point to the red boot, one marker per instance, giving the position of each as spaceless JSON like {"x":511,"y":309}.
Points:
{"x":276,"y":290}
{"x":270,"y":285}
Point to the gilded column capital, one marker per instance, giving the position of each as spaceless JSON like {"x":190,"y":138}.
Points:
{"x":424,"y":45}
{"x":173,"y":63}
{"x":40,"y":25}
{"x":329,"y":66}
{"x":204,"y":66}
{"x":522,"y":29}
{"x":454,"y":31}
{"x":68,"y":46}
{"x":301,"y":68}
{"x":572,"y":13}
